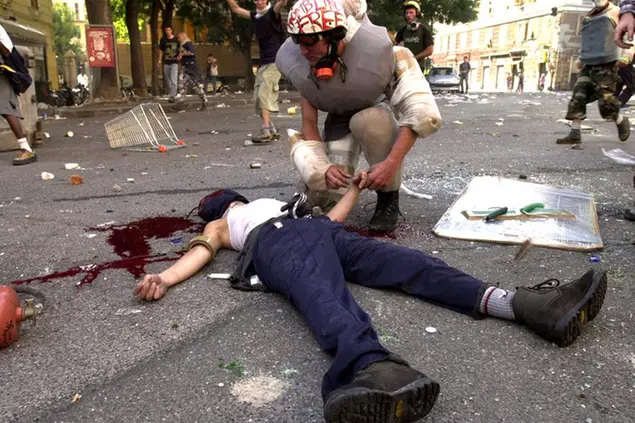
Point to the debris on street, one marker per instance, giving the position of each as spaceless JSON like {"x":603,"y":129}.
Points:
{"x":620,"y":156}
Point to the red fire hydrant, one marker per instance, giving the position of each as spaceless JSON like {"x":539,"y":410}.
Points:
{"x":12,"y":314}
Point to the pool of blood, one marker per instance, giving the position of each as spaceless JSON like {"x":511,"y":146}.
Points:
{"x":131,"y":243}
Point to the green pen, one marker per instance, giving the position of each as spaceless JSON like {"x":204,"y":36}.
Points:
{"x":493,"y":215}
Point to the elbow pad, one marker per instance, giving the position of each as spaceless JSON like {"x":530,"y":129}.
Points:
{"x":412,"y":98}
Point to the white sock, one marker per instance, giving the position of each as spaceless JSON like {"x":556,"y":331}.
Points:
{"x":576,"y":125}
{"x":24,"y":145}
{"x":497,"y":302}
{"x":619,"y":119}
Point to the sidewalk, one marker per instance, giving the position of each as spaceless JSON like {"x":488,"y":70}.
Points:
{"x":192,"y":102}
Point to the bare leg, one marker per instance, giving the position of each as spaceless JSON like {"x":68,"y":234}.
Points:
{"x":266,"y":117}
{"x":14,"y":124}
{"x":26,"y":155}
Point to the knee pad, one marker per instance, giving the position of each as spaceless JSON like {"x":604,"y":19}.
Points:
{"x":374,"y":124}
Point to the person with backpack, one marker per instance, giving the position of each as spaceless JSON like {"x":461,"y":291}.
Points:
{"x":14,"y":80}
{"x":291,"y":249}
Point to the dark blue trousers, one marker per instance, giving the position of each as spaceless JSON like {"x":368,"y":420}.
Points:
{"x":310,"y":260}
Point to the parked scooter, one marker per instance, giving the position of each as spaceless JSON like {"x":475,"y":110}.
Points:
{"x":80,"y":94}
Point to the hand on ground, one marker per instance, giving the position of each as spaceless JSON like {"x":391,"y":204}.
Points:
{"x":150,"y":288}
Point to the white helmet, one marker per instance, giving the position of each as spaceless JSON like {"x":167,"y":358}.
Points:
{"x":315,"y":16}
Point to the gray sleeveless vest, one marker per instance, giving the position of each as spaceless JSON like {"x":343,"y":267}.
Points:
{"x":371,"y":65}
{"x":598,"y":44}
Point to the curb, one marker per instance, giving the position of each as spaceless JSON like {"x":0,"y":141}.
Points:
{"x":93,"y":110}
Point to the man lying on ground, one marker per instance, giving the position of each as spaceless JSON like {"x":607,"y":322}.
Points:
{"x":309,"y":260}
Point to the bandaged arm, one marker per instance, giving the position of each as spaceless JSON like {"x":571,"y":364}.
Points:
{"x":308,"y":151}
{"x":200,"y":252}
{"x":411,"y":99}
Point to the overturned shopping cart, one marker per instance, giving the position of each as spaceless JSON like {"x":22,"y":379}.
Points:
{"x":144,"y":128}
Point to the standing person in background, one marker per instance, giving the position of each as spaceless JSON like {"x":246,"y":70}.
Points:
{"x":9,"y":105}
{"x":464,"y":72}
{"x":599,"y":61}
{"x":168,"y":53}
{"x":415,"y":36}
{"x":211,"y":73}
{"x":521,"y":83}
{"x":270,"y":34}
{"x":190,"y":75}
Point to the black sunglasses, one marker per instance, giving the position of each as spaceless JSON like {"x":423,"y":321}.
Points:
{"x":307,"y":40}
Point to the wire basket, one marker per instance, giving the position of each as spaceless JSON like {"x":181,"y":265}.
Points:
{"x":146,"y":128}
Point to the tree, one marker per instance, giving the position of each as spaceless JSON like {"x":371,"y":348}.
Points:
{"x":389,"y":13}
{"x":223,"y":27}
{"x":65,"y":35}
{"x":99,"y":13}
{"x":154,"y":39}
{"x":136,"y":54}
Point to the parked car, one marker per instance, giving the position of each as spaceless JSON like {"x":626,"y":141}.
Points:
{"x":443,"y":78}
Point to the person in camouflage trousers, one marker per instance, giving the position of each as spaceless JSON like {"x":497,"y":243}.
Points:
{"x":626,"y":26}
{"x":190,"y":76}
{"x":597,"y":80}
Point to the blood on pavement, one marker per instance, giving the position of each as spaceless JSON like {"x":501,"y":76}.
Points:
{"x":131,"y":243}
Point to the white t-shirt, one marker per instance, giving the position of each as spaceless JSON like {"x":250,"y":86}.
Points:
{"x":243,"y":219}
{"x":5,"y":39}
{"x":82,"y":79}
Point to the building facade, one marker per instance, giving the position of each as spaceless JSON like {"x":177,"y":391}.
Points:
{"x":512,"y":36}
{"x":80,"y":19}
{"x":30,"y":23}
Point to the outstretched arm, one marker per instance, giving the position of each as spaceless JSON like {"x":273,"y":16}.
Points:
{"x":153,"y":287}
{"x":243,"y":13}
{"x":278,"y":6}
{"x":343,"y":207}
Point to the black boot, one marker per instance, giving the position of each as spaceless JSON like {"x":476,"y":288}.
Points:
{"x":629,"y":214}
{"x":386,"y":212}
{"x":557,"y":313}
{"x":388,"y":391}
{"x":574,"y":137}
{"x":624,"y":129}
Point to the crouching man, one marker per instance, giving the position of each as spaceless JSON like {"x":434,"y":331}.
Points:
{"x":377,"y":106}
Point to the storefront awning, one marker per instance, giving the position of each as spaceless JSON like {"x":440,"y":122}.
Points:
{"x":24,"y":33}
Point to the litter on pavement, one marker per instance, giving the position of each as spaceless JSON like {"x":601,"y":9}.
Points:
{"x":620,"y":156}
{"x":224,"y":276}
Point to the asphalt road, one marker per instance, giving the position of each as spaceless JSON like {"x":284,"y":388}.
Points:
{"x":211,"y":354}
